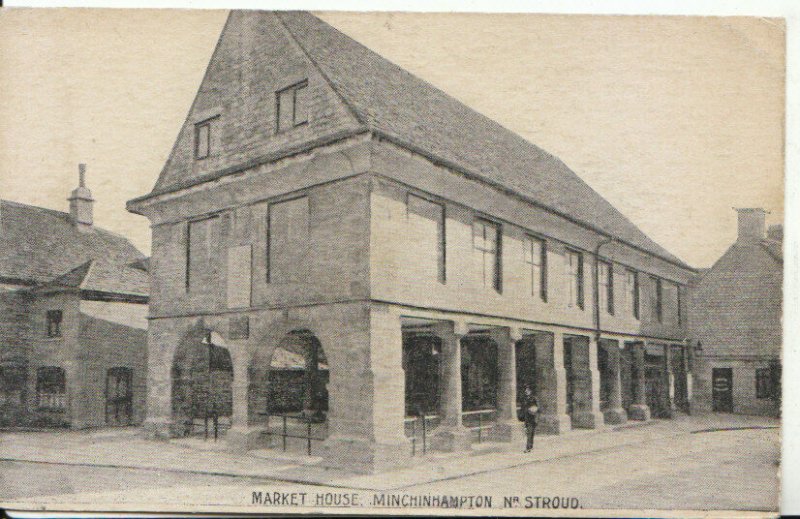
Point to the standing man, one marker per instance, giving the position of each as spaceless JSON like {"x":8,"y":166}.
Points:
{"x":530,"y":408}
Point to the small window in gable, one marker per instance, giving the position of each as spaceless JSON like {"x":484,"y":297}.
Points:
{"x":292,"y":106}
{"x":54,"y":318}
{"x":202,"y":140}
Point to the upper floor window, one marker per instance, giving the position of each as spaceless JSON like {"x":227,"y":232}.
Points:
{"x":51,"y":388}
{"x":574,"y":269}
{"x":487,"y":248}
{"x":202,"y":245}
{"x":605,"y":278}
{"x":679,"y":296}
{"x":202,"y":139}
{"x":292,"y":106}
{"x":536,"y":260}
{"x":287,"y":240}
{"x":632,"y":286}
{"x":658,"y":301}
{"x":426,"y":228}
{"x":54,"y":318}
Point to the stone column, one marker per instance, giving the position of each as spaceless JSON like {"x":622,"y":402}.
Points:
{"x":615,"y":414}
{"x":551,"y":384}
{"x":687,"y":350}
{"x":586,"y":400}
{"x":163,"y":336}
{"x":451,"y":435}
{"x":507,"y":427}
{"x":310,"y":378}
{"x":241,"y":437}
{"x":639,"y":410}
{"x":669,"y":379}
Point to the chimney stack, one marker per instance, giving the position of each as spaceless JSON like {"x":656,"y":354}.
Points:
{"x":80,"y":203}
{"x":752,"y":224}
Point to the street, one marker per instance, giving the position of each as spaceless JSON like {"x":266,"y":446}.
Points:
{"x":651,"y":467}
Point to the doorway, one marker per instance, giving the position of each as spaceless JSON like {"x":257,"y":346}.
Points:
{"x":119,"y":396}
{"x":722,"y":390}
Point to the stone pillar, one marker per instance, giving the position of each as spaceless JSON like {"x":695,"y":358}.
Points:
{"x":451,"y":434}
{"x":669,"y":380}
{"x":161,"y":343}
{"x":241,"y":437}
{"x":507,"y":427}
{"x":586,"y":399}
{"x":615,"y":414}
{"x":687,"y":351}
{"x":639,"y":410}
{"x":551,"y":384}
{"x":310,"y":376}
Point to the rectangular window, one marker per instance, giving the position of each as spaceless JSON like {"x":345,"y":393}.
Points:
{"x":288,"y":241}
{"x":426,"y":235}
{"x":574,"y":270}
{"x":763,"y":383}
{"x":202,"y":244}
{"x":487,"y":246}
{"x":632,"y":282}
{"x":202,"y":140}
{"x":51,"y":388}
{"x":605,"y":275}
{"x":659,"y":299}
{"x":679,"y":303}
{"x":54,"y":318}
{"x":292,"y":106}
{"x":535,"y":253}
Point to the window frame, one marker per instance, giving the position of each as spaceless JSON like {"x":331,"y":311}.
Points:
{"x":633,"y":291}
{"x":61,"y":394}
{"x":659,"y":298}
{"x":580,"y":275}
{"x":441,"y":274}
{"x":528,"y":242}
{"x":188,"y":245}
{"x":54,"y":318}
{"x":269,"y":276}
{"x":497,"y":282}
{"x":294,"y":88}
{"x":608,"y":285}
{"x":205,"y":123}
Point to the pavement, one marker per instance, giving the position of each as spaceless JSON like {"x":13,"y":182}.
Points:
{"x":693,"y":460}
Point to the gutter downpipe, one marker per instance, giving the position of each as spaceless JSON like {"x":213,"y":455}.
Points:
{"x":597,"y":286}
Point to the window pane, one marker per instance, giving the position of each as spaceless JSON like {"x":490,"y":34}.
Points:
{"x":202,"y":248}
{"x":285,"y":109}
{"x":301,"y":105}
{"x":426,"y":237}
{"x":288,"y":240}
{"x":203,"y":140}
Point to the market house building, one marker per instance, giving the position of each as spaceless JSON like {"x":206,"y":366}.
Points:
{"x":736,"y":322}
{"x":73,"y":319}
{"x":320,"y":200}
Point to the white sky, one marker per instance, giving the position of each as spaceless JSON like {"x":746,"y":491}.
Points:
{"x":674,"y":120}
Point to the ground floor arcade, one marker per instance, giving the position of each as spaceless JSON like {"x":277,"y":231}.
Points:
{"x":371,"y":386}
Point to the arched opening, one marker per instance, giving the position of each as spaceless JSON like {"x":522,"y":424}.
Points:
{"x":202,"y":384}
{"x":479,"y":378}
{"x":422,"y":355}
{"x":298,"y":378}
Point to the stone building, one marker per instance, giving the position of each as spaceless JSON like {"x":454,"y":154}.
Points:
{"x":73,"y":327}
{"x":736,"y":322}
{"x":319,"y":200}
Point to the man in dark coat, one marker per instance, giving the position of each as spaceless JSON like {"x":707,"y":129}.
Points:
{"x":530,"y":409}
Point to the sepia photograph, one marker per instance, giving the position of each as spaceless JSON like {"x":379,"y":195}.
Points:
{"x":391,"y":263}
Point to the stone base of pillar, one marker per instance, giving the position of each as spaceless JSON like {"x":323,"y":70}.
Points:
{"x":615,"y":416}
{"x":242,"y":438}
{"x":451,"y":439}
{"x":587,"y":420}
{"x":553,"y":423}
{"x":508,"y":431}
{"x":639,"y":412}
{"x":157,"y":429}
{"x":363,"y":456}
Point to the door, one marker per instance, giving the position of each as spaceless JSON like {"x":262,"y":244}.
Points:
{"x":722,"y":389}
{"x":119,"y":396}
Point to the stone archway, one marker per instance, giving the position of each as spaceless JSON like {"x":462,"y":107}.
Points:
{"x":297,"y":378}
{"x":202,"y":383}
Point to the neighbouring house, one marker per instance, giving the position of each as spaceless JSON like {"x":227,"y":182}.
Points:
{"x":425,"y":262}
{"x":73,"y":327}
{"x":735,"y":321}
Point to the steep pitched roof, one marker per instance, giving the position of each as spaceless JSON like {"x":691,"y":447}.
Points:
{"x":105,"y":276}
{"x":389,"y":101}
{"x":38,"y":245}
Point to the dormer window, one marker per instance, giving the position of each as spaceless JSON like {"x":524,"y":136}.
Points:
{"x":202,"y":140}
{"x":292,"y":106}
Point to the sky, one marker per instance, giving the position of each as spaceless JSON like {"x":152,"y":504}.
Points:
{"x":674,"y":120}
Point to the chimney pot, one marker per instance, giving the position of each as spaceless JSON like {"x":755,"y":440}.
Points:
{"x":752,"y":224}
{"x":80,"y":203}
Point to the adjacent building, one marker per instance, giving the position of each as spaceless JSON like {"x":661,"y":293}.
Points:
{"x":736,"y":322}
{"x":73,"y":328}
{"x":330,"y":223}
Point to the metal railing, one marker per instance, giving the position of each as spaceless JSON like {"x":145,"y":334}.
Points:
{"x":422,"y":428}
{"x":284,"y":432}
{"x":480,"y":413}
